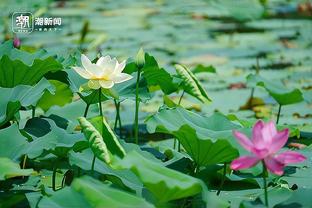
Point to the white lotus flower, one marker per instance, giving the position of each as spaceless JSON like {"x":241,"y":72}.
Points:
{"x":105,"y":73}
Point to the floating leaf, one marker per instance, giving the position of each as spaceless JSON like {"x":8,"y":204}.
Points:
{"x":241,"y":10}
{"x":191,"y":85}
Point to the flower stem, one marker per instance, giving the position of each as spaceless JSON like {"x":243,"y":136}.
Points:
{"x":33,"y":111}
{"x":278,"y":113}
{"x":86,"y":110}
{"x":137,"y":103}
{"x":174,"y":143}
{"x":100,"y":103}
{"x":117,"y":118}
{"x":101,"y":114}
{"x":54,"y":176}
{"x":264,"y":172}
{"x":222,"y":180}
{"x":181,"y":97}
{"x":179,"y":144}
{"x":24,"y":162}
{"x":92,"y":166}
{"x":119,"y":121}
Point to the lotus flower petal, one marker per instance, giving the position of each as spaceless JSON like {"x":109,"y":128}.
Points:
{"x":274,"y":165}
{"x":103,"y":60}
{"x":243,"y":140}
{"x":122,"y":77}
{"x":94,"y":84}
{"x":120,"y":67}
{"x":279,"y":140}
{"x":244,"y":162}
{"x":257,"y":133}
{"x":105,"y":73}
{"x":290,"y":157}
{"x":82,"y":72}
{"x":85,"y":61}
{"x":106,"y":84}
{"x":268,"y":132}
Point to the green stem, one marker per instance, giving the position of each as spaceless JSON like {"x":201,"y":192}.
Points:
{"x":264,"y":172}
{"x":222,"y":180}
{"x":116,"y":117}
{"x":279,"y":113}
{"x":251,"y":97}
{"x":24,"y":163}
{"x":101,"y":114}
{"x":54,"y":176}
{"x":63,"y":181}
{"x":257,"y":66}
{"x":92,"y":166}
{"x":195,"y":169}
{"x":33,"y":111}
{"x":119,"y":121}
{"x":137,"y":103}
{"x":100,"y":103}
{"x":174,"y":143}
{"x":181,"y":97}
{"x":179,"y":146}
{"x":86,"y":110}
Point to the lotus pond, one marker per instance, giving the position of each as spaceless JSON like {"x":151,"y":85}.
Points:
{"x":155,"y":103}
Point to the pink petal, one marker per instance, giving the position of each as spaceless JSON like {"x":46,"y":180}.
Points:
{"x":290,"y":157}
{"x":243,"y":140}
{"x":268,"y":132}
{"x":274,"y":166}
{"x":257,"y":133}
{"x":279,"y":140}
{"x":261,"y":153}
{"x":244,"y":162}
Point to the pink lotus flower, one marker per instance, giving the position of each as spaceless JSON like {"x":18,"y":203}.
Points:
{"x":265,"y":143}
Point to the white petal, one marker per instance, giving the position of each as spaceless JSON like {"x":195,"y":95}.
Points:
{"x":94,"y":84}
{"x":120,"y":67}
{"x":106,"y":84}
{"x":82,"y":72}
{"x":95,"y":70}
{"x":122,"y":77}
{"x":85,"y":61}
{"x":109,"y":67}
{"x":102,"y":60}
